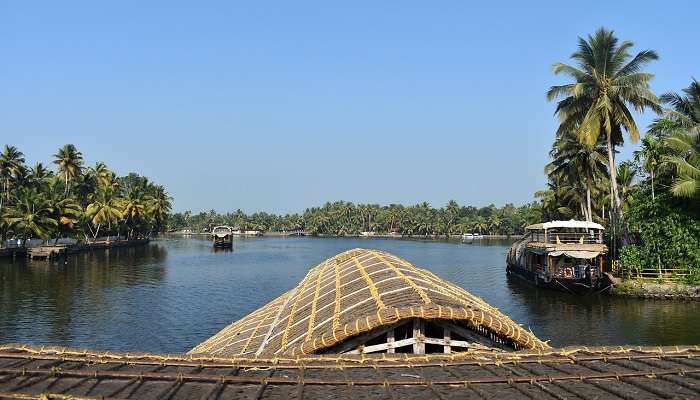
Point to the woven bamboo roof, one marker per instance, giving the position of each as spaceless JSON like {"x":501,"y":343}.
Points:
{"x":571,"y":373}
{"x":352,"y":293}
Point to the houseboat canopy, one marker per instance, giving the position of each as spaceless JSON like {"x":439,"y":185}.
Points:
{"x":364,"y":293}
{"x":222,"y":231}
{"x":565,"y":224}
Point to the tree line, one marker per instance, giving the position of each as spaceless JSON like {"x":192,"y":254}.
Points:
{"x":346,"y":218}
{"x":74,"y":200}
{"x":650,"y":202}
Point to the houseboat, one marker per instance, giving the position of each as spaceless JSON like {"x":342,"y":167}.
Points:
{"x":222,"y":236}
{"x":561,"y":255}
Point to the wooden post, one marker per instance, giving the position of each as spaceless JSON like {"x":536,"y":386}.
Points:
{"x":390,"y":341}
{"x":447,"y":348}
{"x":419,"y":346}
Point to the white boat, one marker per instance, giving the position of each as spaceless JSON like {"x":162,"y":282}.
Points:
{"x":471,"y":236}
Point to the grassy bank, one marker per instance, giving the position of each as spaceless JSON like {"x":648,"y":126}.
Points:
{"x":651,"y":290}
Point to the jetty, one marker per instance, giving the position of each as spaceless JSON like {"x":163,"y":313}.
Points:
{"x":50,"y":251}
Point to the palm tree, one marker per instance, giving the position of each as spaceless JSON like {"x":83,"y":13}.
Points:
{"x":685,"y":157}
{"x":38,"y":174}
{"x":684,"y":114}
{"x":11,"y":168}
{"x":30,"y":215}
{"x":65,"y":210}
{"x":680,"y":127}
{"x":650,"y":157}
{"x":578,"y":164}
{"x":133,"y":208}
{"x":70,"y":163}
{"x":104,"y":209}
{"x":625,"y":178}
{"x":103,"y":176}
{"x":159,"y":205}
{"x":606,"y":83}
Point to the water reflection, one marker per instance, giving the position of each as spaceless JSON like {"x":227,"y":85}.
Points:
{"x":174,"y":293}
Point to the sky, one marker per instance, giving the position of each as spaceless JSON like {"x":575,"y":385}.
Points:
{"x":280,"y":106}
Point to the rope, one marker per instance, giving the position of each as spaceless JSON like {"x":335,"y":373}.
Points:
{"x":336,"y":311}
{"x":292,"y":312}
{"x":421,"y":292}
{"x":370,"y":284}
{"x":312,"y":316}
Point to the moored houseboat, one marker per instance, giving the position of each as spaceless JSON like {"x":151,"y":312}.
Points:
{"x":561,"y":255}
{"x":222,"y":236}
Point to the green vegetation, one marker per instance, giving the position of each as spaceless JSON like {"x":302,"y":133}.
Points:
{"x":346,"y":218}
{"x":75,"y":201}
{"x":650,"y":203}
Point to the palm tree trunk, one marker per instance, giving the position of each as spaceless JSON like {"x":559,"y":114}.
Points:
{"x":653,"y":198}
{"x":588,"y":199}
{"x":613,"y":175}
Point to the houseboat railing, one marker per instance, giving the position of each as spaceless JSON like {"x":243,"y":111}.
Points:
{"x":663,"y":274}
{"x":566,"y":237}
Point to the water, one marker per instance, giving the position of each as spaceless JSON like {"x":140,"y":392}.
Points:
{"x":174,"y":293}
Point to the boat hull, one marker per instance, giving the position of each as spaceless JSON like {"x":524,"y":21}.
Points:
{"x":581,"y":286}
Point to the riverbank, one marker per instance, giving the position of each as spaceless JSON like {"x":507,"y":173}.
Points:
{"x":659,"y":291}
{"x":377,"y":236}
{"x":73,"y":248}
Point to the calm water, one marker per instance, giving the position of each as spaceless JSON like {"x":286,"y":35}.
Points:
{"x":176,"y":292}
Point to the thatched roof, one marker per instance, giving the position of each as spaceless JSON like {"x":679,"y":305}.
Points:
{"x":583,"y":372}
{"x":352,"y":293}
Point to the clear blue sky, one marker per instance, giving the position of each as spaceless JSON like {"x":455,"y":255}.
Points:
{"x":279,"y":106}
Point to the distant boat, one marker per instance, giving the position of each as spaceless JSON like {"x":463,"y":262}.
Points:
{"x":368,"y":233}
{"x":468,"y":237}
{"x":222,"y":236}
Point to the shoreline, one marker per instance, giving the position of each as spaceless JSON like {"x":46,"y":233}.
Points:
{"x":656,"y":291}
{"x":14,"y":252}
{"x":378,"y":236}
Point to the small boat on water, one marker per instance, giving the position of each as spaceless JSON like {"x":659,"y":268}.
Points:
{"x":561,"y":255}
{"x":222,"y":236}
{"x":468,"y":237}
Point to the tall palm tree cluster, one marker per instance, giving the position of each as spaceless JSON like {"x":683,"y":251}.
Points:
{"x":74,"y":200}
{"x":651,"y":201}
{"x":346,"y":218}
{"x":607,"y":84}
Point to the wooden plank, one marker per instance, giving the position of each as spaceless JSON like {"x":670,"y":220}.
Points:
{"x":355,"y":342}
{"x":390,"y":341}
{"x":418,"y":329}
{"x":469,"y":335}
{"x":382,"y":346}
{"x":447,"y":349}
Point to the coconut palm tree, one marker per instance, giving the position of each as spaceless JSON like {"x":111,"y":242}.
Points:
{"x":607,"y":82}
{"x":104,"y":209}
{"x":11,"y":168}
{"x":30,"y":215}
{"x":39,"y":174}
{"x":578,"y":164}
{"x":685,"y":158}
{"x":684,"y":114}
{"x":625,"y":179}
{"x":70,"y":163}
{"x":134,"y":205}
{"x":650,"y":157}
{"x":159,"y":205}
{"x":65,"y":210}
{"x":680,"y":127}
{"x":103,"y":175}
